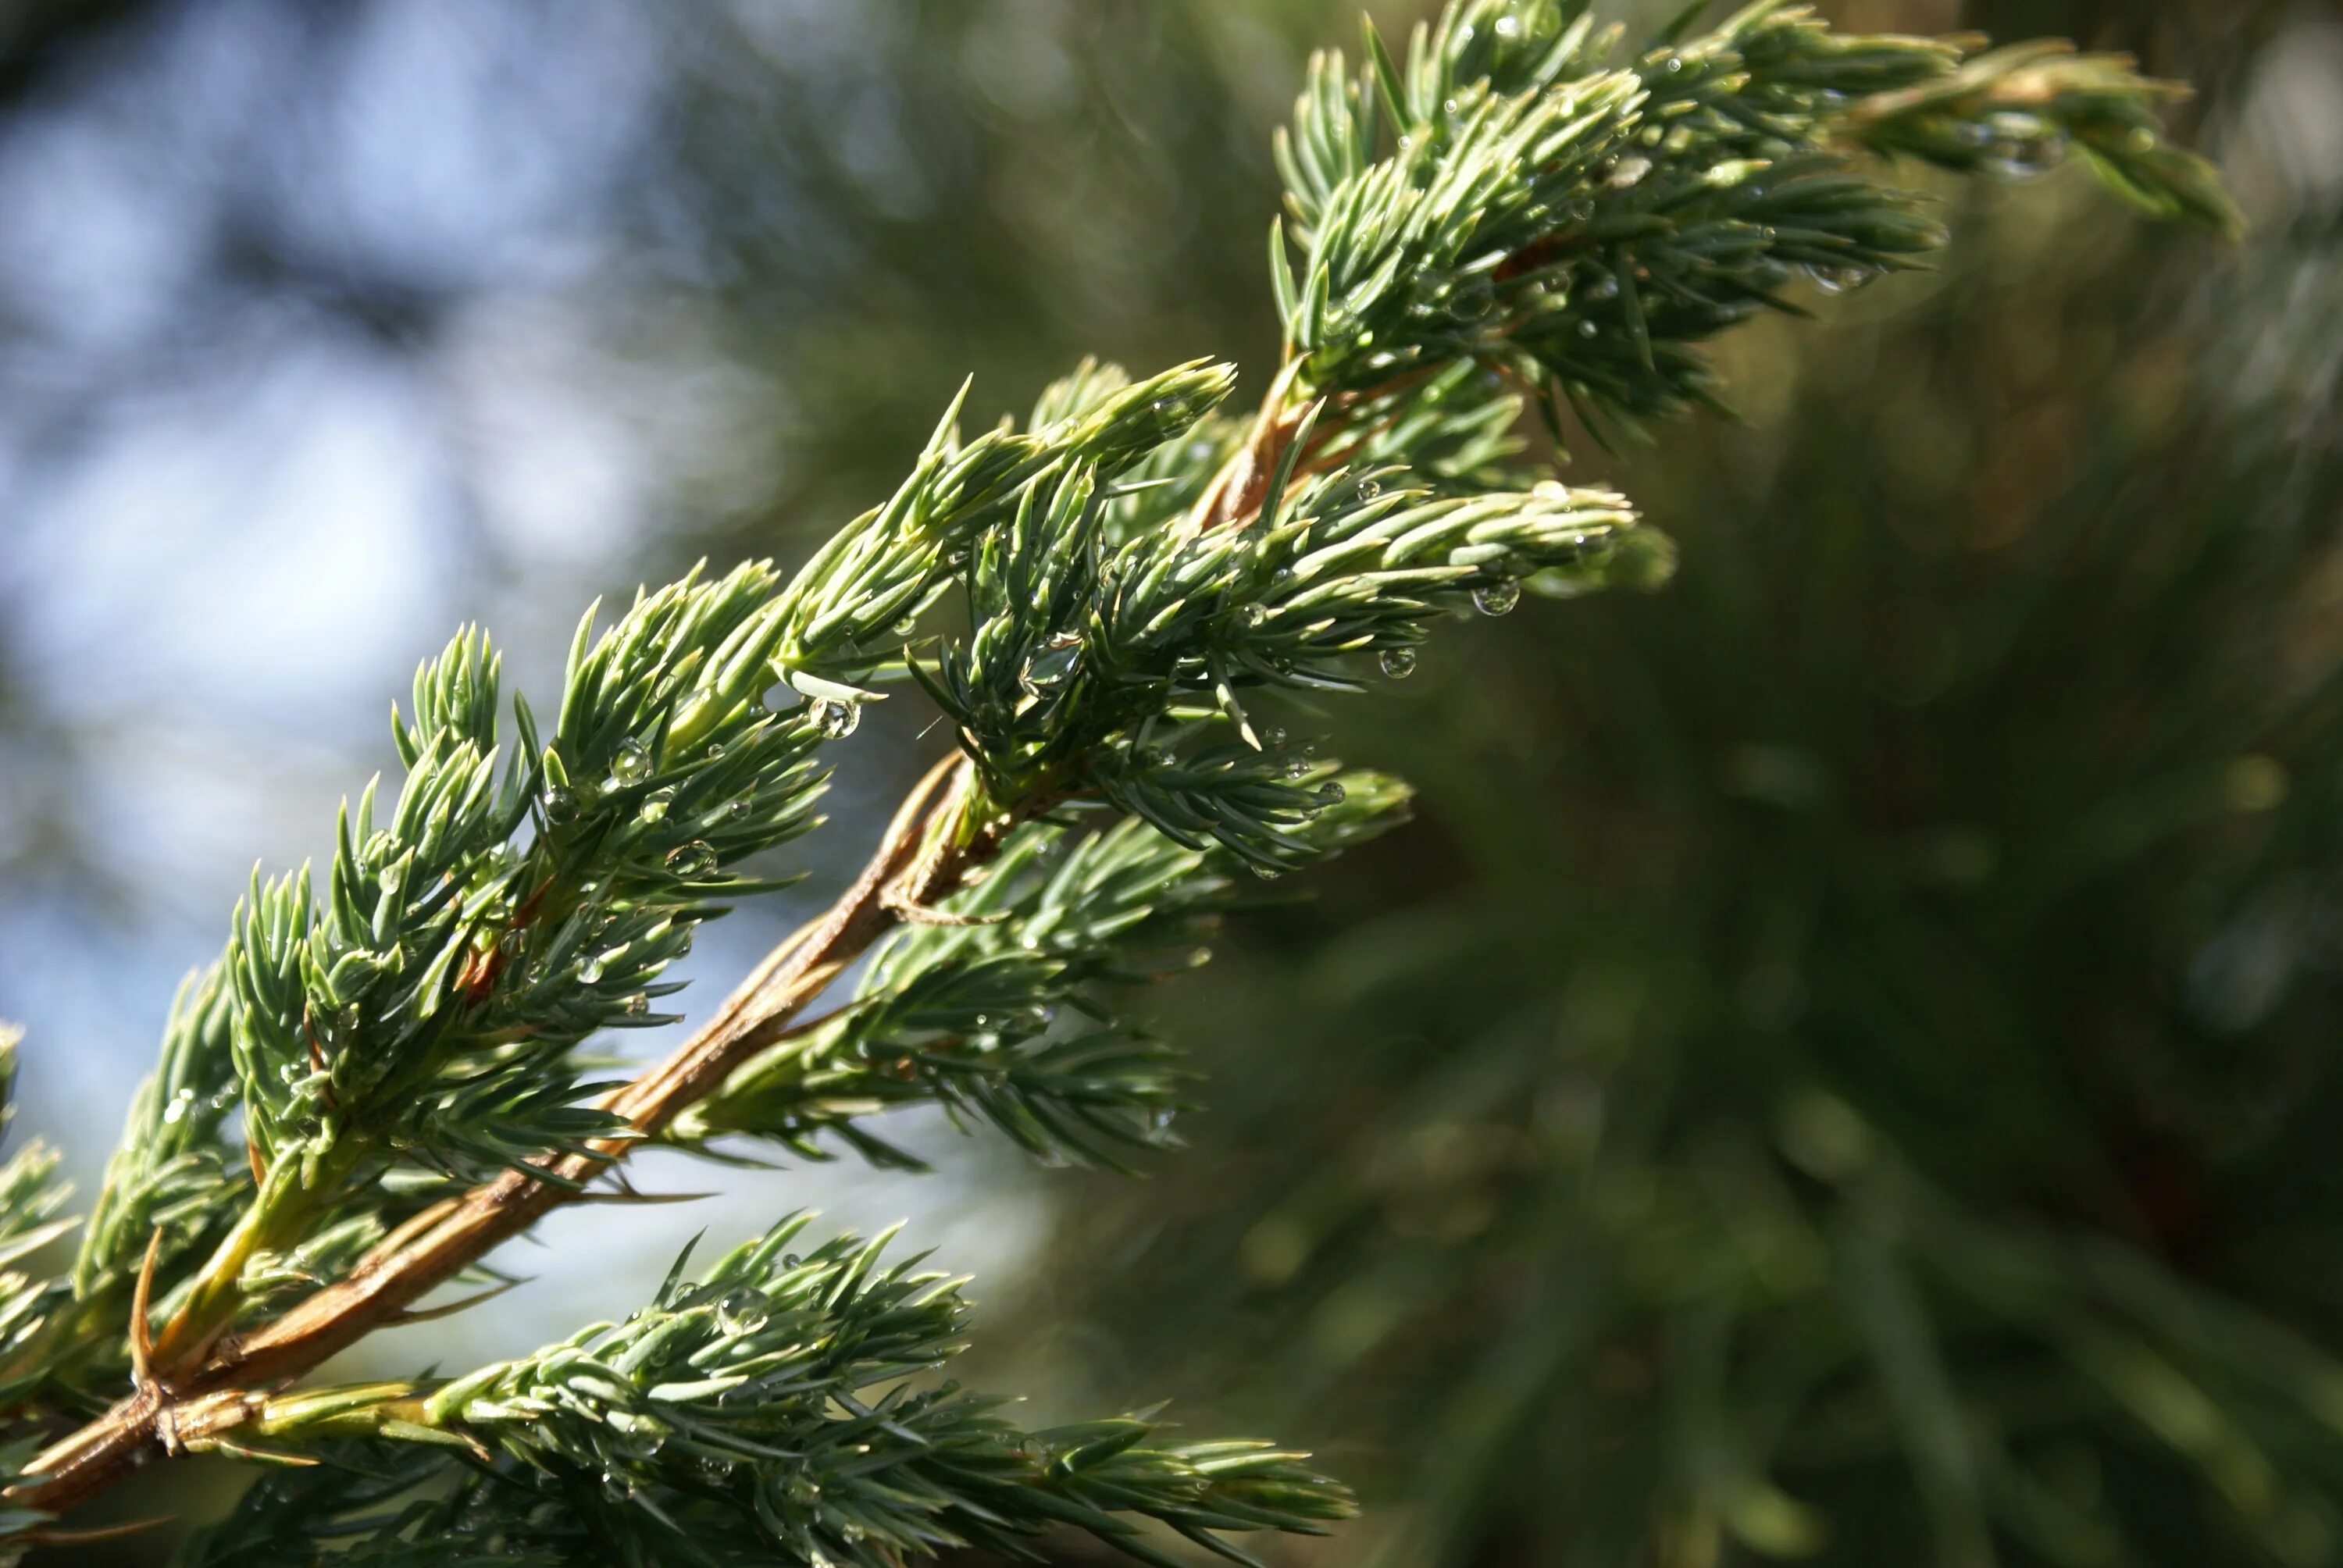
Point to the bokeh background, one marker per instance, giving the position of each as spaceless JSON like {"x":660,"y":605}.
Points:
{"x":1845,"y":1065}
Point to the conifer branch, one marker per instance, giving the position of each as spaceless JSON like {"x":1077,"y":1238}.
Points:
{"x":1521,"y":211}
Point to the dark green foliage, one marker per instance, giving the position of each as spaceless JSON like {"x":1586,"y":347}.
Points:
{"x":1844,"y":1072}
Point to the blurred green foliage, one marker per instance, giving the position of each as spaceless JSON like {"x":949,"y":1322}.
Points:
{"x":1844,"y":1068}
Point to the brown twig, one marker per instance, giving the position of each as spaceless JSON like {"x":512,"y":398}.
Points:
{"x":926,"y":850}
{"x":142,"y":1338}
{"x":1238,"y":489}
{"x":934,"y":840}
{"x":93,"y":1535}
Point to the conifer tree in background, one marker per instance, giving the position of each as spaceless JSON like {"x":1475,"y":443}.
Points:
{"x":1879,"y":1105}
{"x":1126,"y":607}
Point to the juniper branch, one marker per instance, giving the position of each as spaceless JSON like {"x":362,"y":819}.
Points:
{"x":1522,"y":208}
{"x":722,"y":1399}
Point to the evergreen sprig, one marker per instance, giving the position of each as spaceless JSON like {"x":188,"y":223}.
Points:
{"x":385,"y":1076}
{"x":422,"y":1017}
{"x":1583,"y":219}
{"x":1008,"y":1014}
{"x":770,"y":1402}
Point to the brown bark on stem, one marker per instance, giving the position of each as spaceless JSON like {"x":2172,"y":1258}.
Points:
{"x":927,"y":849}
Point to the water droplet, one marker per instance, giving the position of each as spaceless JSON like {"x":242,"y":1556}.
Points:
{"x":1509,"y":27}
{"x":2141,"y":140}
{"x":1497,"y":598}
{"x":834,"y":718}
{"x":1675,"y":66}
{"x":741,"y":1313}
{"x":1329,"y":793}
{"x":1629,"y":172}
{"x":181,"y":1104}
{"x":905,"y":627}
{"x":1474,"y":299}
{"x":633,"y":764}
{"x":1273,"y":736}
{"x":1837,"y":279}
{"x":1038,"y":1017}
{"x":1296,"y":768}
{"x":1369,"y":488}
{"x":1267,"y":873}
{"x":655,"y":806}
{"x":636,"y":1005}
{"x":590,"y":971}
{"x":1549,"y":490}
{"x":1399,"y":663}
{"x":1603,"y":288}
{"x":695,"y":859}
{"x":1253,"y":614}
{"x":560,"y":805}
{"x":2025,"y":160}
{"x":1053,"y":665}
